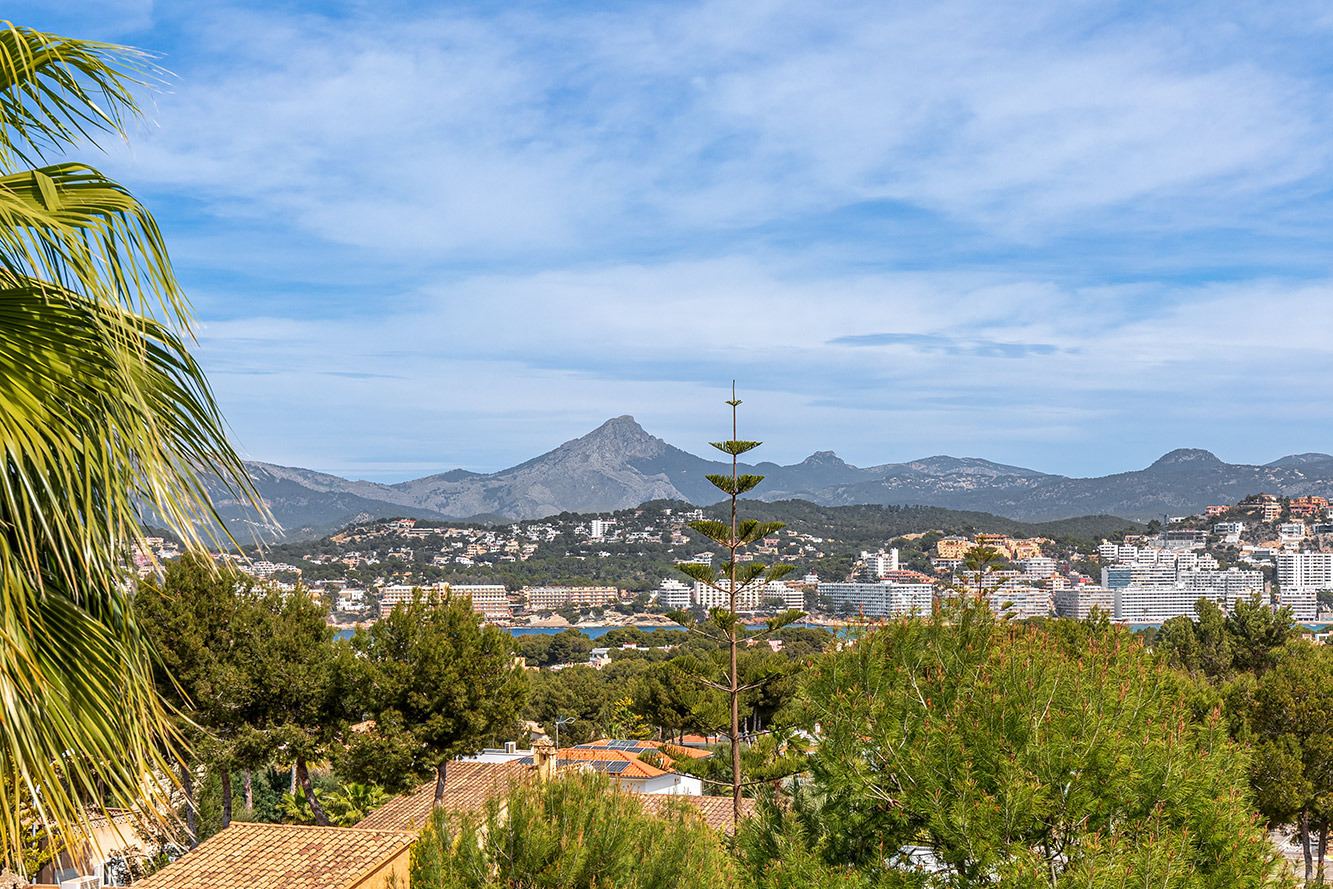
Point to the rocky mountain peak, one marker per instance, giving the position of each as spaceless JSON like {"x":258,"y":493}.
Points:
{"x":1185,"y":458}
{"x":823,"y":458}
{"x":616,"y":439}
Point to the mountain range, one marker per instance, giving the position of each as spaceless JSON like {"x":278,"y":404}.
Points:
{"x":619,"y":465}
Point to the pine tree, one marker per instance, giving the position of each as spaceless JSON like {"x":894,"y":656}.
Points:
{"x":734,"y":579}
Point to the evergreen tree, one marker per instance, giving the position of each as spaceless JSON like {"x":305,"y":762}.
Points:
{"x":735,"y":580}
{"x":303,"y":682}
{"x":191,"y":616}
{"x":438,"y":683}
{"x":573,"y":833}
{"x":994,"y":754}
{"x":1292,"y":724}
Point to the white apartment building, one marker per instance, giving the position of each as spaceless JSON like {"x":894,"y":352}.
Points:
{"x":1038,"y":567}
{"x":1161,"y":585}
{"x":1304,"y":603}
{"x":1115,"y":552}
{"x":876,"y":600}
{"x":598,"y":528}
{"x":1020,"y":601}
{"x":1153,"y":605}
{"x":1291,"y":530}
{"x":674,"y":594}
{"x":881,"y":563}
{"x":1078,"y":601}
{"x":550,"y":598}
{"x":491,"y":600}
{"x":1305,"y":571}
{"x":1300,"y":577}
{"x":772,"y":596}
{"x":1227,"y":587}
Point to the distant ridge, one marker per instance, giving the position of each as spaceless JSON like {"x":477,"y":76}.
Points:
{"x":619,"y":465}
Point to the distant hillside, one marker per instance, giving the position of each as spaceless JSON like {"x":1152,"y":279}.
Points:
{"x":871,"y":525}
{"x":619,"y":465}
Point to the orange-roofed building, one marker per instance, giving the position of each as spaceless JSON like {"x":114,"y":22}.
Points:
{"x":1307,"y":507}
{"x":468,"y":786}
{"x":627,"y":769}
{"x":716,"y":811}
{"x":290,"y":856}
{"x":676,"y":751}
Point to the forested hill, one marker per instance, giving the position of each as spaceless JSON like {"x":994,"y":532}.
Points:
{"x":870,"y":523}
{"x":643,"y":544}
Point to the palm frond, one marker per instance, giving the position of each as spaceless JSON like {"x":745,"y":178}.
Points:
{"x":102,"y":414}
{"x":70,"y":225}
{"x":58,"y":91}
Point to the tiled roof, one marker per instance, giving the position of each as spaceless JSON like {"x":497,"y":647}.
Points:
{"x":668,"y":748}
{"x":468,"y":786}
{"x":715,"y":810}
{"x":618,"y":763}
{"x":281,"y":856}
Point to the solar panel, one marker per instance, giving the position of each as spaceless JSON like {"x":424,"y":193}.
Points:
{"x":615,"y":768}
{"x":623,"y":745}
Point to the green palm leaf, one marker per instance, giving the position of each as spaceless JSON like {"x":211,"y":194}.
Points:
{"x":104,"y":417}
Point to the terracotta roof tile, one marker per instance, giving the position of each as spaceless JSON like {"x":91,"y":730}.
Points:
{"x":715,"y":810}
{"x":281,"y":856}
{"x":468,"y":786}
{"x":617,"y":763}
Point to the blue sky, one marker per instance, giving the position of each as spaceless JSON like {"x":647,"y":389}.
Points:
{"x":1068,"y":236}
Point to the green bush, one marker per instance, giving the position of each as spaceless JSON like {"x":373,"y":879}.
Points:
{"x":576,"y":833}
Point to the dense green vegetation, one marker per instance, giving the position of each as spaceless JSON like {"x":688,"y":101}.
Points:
{"x":964,"y":750}
{"x":960,"y":749}
{"x":577,"y":832}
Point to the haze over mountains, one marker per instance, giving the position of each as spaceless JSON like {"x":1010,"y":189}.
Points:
{"x":619,"y":465}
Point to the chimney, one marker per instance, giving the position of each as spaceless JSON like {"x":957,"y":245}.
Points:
{"x":511,"y":746}
{"x":544,"y":755}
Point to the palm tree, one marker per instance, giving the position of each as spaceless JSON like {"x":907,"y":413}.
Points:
{"x":104,"y":419}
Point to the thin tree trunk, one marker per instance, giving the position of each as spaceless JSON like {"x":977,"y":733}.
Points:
{"x":735,"y":673}
{"x":191,"y":823}
{"x":1323,"y":847}
{"x":439,"y":782}
{"x":735,"y":727}
{"x":1305,"y":846}
{"x":303,"y":775}
{"x":226,"y":798}
{"x":249,"y":791}
{"x":293,"y":790}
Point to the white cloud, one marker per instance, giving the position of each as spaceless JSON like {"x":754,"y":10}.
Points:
{"x":495,"y":369}
{"x":458,"y":134}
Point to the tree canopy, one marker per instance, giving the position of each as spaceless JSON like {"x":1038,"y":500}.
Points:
{"x":438,"y":684}
{"x":978,"y":751}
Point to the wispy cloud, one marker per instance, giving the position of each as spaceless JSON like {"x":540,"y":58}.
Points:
{"x":948,"y":345}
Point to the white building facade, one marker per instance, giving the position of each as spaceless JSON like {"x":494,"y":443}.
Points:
{"x":878,"y":599}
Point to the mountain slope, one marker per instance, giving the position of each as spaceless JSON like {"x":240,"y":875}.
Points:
{"x":619,"y":466}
